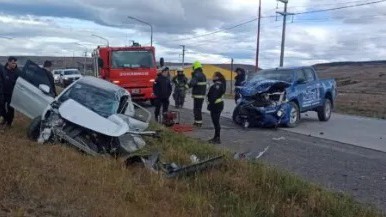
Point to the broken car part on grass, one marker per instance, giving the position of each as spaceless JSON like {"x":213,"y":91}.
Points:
{"x":172,"y":170}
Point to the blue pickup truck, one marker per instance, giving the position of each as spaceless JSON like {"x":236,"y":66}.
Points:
{"x":277,"y":97}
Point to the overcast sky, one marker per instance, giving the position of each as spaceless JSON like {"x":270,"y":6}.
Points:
{"x":65,"y":28}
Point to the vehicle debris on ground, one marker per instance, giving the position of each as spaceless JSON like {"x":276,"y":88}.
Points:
{"x":171,"y":170}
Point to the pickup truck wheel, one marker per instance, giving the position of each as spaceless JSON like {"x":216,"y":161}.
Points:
{"x":324,"y":112}
{"x":33,"y":130}
{"x":294,"y":115}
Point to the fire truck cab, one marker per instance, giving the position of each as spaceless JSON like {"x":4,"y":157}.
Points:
{"x":133,"y":68}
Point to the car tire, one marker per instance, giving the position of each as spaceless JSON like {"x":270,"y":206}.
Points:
{"x":294,"y":115}
{"x":324,"y":112}
{"x":33,"y":130}
{"x":236,"y":116}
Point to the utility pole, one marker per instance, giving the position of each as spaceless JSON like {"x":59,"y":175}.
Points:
{"x":183,"y":56}
{"x":284,"y":14}
{"x":85,"y":61}
{"x":258,"y":38}
{"x":231,"y":76}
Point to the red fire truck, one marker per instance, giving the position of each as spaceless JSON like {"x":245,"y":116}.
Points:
{"x":133,"y":68}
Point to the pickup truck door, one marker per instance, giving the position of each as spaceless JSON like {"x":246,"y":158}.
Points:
{"x":308,"y":89}
{"x":32,"y":94}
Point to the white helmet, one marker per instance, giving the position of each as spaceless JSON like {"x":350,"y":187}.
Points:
{"x":180,"y":70}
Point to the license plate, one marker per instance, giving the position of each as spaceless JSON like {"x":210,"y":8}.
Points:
{"x":136,"y":91}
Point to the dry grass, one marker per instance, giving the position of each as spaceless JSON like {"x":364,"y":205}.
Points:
{"x":54,"y":180}
{"x":361,"y":88}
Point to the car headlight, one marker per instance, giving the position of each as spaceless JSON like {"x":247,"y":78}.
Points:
{"x":280,"y":113}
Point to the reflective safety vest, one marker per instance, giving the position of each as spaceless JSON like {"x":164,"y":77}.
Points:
{"x":199,"y":84}
{"x":219,"y":100}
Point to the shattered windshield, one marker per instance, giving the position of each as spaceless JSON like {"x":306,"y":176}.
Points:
{"x":132,"y":59}
{"x":100,"y":101}
{"x":279,"y":75}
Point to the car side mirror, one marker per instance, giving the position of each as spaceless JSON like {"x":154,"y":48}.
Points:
{"x":44,"y":88}
{"x":100,"y":62}
{"x":161,"y":62}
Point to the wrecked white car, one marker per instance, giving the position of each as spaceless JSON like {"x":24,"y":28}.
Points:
{"x":91,"y":114}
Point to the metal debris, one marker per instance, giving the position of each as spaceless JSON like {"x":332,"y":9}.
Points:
{"x":262,"y":153}
{"x":278,"y":138}
{"x":171,"y":170}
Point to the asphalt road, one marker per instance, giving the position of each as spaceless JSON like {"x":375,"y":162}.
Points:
{"x":339,"y":167}
{"x":363,"y":132}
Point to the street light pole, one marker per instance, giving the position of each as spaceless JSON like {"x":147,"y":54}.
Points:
{"x":108,"y":43}
{"x":146,"y":23}
{"x":85,"y":56}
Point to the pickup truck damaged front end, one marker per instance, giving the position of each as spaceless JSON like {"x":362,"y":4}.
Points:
{"x":263,"y":103}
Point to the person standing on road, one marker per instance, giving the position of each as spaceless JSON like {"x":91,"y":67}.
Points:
{"x":47,"y":66}
{"x":216,"y":104}
{"x":10,"y":75}
{"x":180,"y":82}
{"x":239,"y":82}
{"x":198,"y":85}
{"x":162,"y":89}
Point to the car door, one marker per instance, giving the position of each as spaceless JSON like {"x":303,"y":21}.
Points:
{"x":300,"y":86}
{"x":27,"y":97}
{"x":312,"y":94}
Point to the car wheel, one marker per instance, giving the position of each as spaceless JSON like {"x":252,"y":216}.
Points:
{"x":33,"y":130}
{"x":324,"y":112}
{"x":236,"y":116}
{"x":294,"y":115}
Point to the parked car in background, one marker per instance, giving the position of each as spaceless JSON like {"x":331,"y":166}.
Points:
{"x":67,"y":76}
{"x":56,"y":74}
{"x":277,"y":96}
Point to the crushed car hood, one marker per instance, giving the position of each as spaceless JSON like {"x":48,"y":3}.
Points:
{"x":259,"y":86}
{"x":82,"y":116}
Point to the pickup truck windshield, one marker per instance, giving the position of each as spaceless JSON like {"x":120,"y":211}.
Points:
{"x":132,"y":59}
{"x":102,"y":102}
{"x":280,"y":75}
{"x":71,"y":72}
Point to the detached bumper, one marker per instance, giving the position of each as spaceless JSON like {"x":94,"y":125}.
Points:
{"x":264,"y":116}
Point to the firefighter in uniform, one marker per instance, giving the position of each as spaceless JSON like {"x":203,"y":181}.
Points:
{"x":198,"y":85}
{"x":216,"y":104}
{"x":180,"y":86}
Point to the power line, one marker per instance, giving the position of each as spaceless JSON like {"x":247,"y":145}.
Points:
{"x":340,"y":8}
{"x":224,"y":29}
{"x":298,"y":13}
